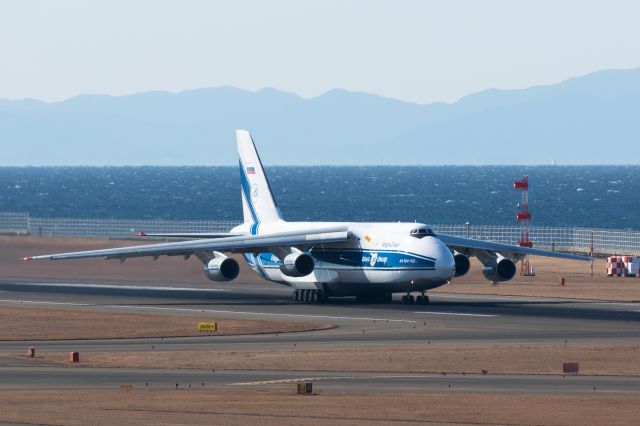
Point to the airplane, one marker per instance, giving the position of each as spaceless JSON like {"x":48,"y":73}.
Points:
{"x":318,"y":260}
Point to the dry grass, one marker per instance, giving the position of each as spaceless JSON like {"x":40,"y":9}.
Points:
{"x":28,"y":323}
{"x":282,"y":407}
{"x":498,"y":358}
{"x":579,"y":284}
{"x":167,"y":270}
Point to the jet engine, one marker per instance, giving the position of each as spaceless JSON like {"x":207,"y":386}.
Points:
{"x":297,"y":264}
{"x":222,"y":269}
{"x":502,"y":270}
{"x":462,"y":264}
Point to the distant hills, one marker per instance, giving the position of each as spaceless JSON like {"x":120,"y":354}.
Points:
{"x":594,"y":119}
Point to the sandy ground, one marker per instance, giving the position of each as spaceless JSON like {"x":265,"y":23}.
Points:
{"x":283,"y":407}
{"x":579,"y":283}
{"x":27,"y":323}
{"x":166,"y":270}
{"x":428,"y":358}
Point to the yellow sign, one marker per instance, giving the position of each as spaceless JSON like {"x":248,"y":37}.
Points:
{"x":207,"y":326}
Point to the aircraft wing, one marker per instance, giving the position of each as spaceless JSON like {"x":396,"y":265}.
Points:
{"x":235,"y":244}
{"x":188,"y":234}
{"x":470,"y":246}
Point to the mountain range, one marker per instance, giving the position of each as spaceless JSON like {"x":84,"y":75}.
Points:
{"x":593,"y":119}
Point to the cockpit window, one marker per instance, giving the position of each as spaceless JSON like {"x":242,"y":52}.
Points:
{"x":421,"y":232}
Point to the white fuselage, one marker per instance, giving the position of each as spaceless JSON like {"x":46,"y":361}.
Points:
{"x":379,"y":257}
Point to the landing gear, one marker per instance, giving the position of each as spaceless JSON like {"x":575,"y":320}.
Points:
{"x":309,"y":296}
{"x":422,"y":299}
{"x":408,"y":299}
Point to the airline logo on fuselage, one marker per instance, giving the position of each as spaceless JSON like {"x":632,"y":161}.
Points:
{"x":373,"y":259}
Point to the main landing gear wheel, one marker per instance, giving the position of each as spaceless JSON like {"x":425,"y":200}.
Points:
{"x":408,"y":299}
{"x":422,"y":299}
{"x":309,"y":296}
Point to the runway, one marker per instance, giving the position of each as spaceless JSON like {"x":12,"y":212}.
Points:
{"x":450,"y":318}
{"x":26,"y":378}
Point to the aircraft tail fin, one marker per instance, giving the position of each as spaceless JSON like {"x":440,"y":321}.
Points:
{"x":258,"y":204}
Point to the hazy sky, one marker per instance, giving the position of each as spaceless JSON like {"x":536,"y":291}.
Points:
{"x":421,"y":51}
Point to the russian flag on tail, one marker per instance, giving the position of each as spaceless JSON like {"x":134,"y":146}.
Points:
{"x":250,"y":169}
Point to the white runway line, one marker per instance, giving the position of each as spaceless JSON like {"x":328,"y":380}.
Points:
{"x":207,"y":311}
{"x":327,"y":378}
{"x":217,"y":311}
{"x":633,"y":305}
{"x":455,"y":313}
{"x":126,"y":287}
{"x":38,"y":302}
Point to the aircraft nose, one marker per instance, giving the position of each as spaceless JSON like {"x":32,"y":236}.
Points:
{"x":445,"y":264}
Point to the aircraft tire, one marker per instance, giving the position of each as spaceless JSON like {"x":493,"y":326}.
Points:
{"x":411,"y":300}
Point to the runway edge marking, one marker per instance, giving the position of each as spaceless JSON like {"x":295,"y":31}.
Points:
{"x":461,"y":314}
{"x":214,"y":311}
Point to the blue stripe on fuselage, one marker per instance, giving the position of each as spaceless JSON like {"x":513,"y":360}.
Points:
{"x":256,"y":263}
{"x":246,"y":191}
{"x":384,"y":259}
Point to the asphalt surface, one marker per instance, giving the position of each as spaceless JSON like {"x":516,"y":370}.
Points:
{"x":106,"y":378}
{"x":448,"y":319}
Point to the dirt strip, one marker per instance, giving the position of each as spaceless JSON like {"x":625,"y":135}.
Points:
{"x":579,"y":284}
{"x":284,"y":408}
{"x":42,"y":323}
{"x":428,"y":358}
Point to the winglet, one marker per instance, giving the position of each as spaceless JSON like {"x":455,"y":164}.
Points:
{"x":26,"y":258}
{"x":141,"y":234}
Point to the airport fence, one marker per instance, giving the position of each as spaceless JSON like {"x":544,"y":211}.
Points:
{"x":24,"y":224}
{"x":604,"y":241}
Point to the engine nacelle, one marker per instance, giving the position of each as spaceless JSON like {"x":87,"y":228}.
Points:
{"x":462,"y":264}
{"x":222,"y":269}
{"x":297,"y":264}
{"x":503,"y":270}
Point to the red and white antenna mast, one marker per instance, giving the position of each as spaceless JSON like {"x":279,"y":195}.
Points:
{"x":523,"y":216}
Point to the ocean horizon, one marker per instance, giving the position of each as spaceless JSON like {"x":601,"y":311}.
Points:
{"x":590,"y":196}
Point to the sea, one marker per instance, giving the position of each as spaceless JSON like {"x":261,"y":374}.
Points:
{"x":585,"y":196}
